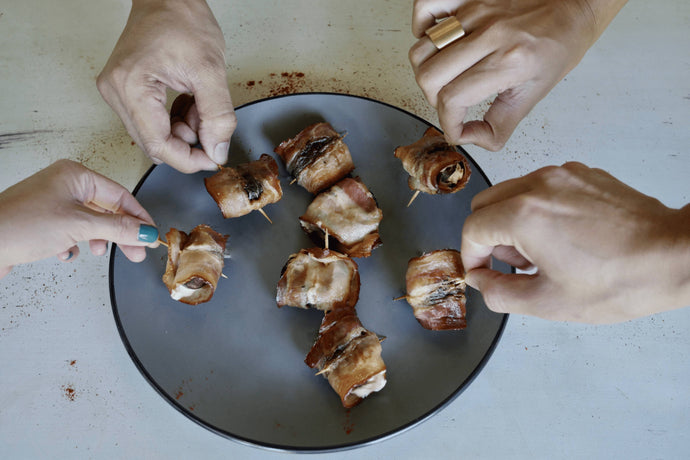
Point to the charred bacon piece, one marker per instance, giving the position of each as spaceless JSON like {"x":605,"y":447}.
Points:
{"x":349,"y":356}
{"x":317,"y":157}
{"x":246,"y":187}
{"x":318,"y":278}
{"x":434,"y":165}
{"x":349,"y":214}
{"x":195,"y":263}
{"x":436,"y":289}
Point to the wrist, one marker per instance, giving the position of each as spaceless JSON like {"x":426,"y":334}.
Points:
{"x":599,"y":14}
{"x":681,"y":251}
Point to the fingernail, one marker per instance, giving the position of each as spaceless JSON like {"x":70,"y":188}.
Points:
{"x":220,"y":154}
{"x":69,"y":255}
{"x":147,"y":233}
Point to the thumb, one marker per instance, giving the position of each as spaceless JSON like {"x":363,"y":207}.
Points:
{"x":504,"y":115}
{"x":122,"y":229}
{"x":217,"y":120}
{"x":505,"y":293}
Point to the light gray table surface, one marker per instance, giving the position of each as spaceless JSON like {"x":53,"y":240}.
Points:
{"x":551,"y":390}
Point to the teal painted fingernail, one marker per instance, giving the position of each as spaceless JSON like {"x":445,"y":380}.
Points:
{"x":69,"y":255}
{"x":147,"y":233}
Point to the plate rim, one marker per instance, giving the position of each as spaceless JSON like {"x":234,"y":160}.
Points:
{"x":301,"y":449}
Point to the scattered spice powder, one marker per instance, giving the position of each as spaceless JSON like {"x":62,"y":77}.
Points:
{"x":70,"y":393}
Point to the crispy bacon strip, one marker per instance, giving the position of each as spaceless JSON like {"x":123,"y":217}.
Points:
{"x":318,"y":278}
{"x":195,"y":263}
{"x":434,"y":165}
{"x":317,"y":157}
{"x":350,"y":215}
{"x":349,"y":356}
{"x":245,"y":187}
{"x":436,"y":289}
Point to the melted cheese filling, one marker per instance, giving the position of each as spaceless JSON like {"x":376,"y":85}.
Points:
{"x":375,"y":383}
{"x":456,"y":176}
{"x":181,"y":291}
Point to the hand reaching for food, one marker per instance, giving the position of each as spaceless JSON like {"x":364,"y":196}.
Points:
{"x":516,"y":50}
{"x":176,"y":45}
{"x":603,"y":251}
{"x":48,"y":213}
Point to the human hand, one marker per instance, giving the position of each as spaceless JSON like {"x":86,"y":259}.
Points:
{"x":178,"y":45}
{"x":603,"y":251}
{"x":517,"y":50}
{"x":49,"y":212}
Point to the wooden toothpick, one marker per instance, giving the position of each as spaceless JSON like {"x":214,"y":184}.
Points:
{"x":412,"y":199}
{"x":325,"y":241}
{"x":162,"y":242}
{"x":400,"y":298}
{"x":265,"y":215}
{"x":293,"y":181}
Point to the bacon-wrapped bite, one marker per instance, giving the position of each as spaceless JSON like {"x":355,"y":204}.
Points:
{"x":349,"y":214}
{"x":245,"y":187}
{"x":195,"y":263}
{"x":434,"y":165}
{"x":436,"y":289}
{"x":349,"y":356}
{"x":318,"y":278}
{"x":317,"y":157}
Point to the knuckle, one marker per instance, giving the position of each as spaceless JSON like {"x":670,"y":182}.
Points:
{"x":66,"y":167}
{"x":121,"y":228}
{"x":154,"y":149}
{"x":418,"y":7}
{"x":517,"y":57}
{"x":415,"y":55}
{"x":424,"y":78}
{"x":496,"y":143}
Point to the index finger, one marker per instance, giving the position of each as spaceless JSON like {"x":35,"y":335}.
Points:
{"x":152,"y":122}
{"x":113,"y":197}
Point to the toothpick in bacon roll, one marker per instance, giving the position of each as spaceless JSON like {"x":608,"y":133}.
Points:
{"x":317,"y":157}
{"x":318,"y":278}
{"x":434,"y":165}
{"x":246,"y":187}
{"x":349,"y":214}
{"x":436,"y":289}
{"x":195,"y":263}
{"x":349,"y":356}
